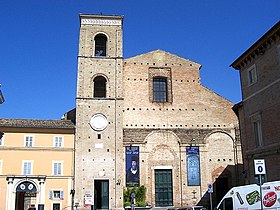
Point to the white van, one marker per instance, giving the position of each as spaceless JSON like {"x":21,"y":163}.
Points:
{"x":196,"y":208}
{"x":247,"y":197}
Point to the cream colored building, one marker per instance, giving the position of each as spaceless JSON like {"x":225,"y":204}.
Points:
{"x":36,"y":164}
{"x":152,"y":110}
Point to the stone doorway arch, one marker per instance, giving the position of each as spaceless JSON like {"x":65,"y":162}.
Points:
{"x":26,"y":193}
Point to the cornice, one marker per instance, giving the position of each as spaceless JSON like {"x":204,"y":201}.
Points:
{"x":270,"y":38}
{"x":108,"y":20}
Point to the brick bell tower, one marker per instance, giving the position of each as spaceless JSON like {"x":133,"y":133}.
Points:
{"x":99,"y":156}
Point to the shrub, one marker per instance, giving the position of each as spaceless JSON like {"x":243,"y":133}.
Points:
{"x":141,"y":204}
{"x":140,"y":195}
{"x":126,"y":204}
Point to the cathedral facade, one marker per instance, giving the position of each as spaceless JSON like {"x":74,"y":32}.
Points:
{"x":148,"y":121}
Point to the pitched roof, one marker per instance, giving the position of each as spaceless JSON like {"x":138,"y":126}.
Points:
{"x":31,"y":123}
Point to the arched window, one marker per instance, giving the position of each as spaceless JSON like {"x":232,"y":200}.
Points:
{"x":99,"y":87}
{"x":100,"y":45}
{"x":160,"y":89}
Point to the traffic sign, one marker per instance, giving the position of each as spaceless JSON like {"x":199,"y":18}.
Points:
{"x":259,"y":167}
{"x":210,"y":188}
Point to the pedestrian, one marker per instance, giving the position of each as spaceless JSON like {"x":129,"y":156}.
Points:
{"x":132,"y":201}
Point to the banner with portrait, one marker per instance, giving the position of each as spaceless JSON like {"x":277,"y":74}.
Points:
{"x":193,"y":166}
{"x":132,"y":165}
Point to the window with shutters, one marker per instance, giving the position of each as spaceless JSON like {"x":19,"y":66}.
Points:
{"x":57,"y":168}
{"x":56,"y":195}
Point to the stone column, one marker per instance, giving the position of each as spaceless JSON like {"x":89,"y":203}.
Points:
{"x":9,"y":192}
{"x":42,"y":190}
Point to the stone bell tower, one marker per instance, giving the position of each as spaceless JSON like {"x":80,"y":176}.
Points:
{"x":99,"y":157}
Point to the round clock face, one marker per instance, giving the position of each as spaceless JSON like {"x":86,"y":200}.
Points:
{"x":98,"y":122}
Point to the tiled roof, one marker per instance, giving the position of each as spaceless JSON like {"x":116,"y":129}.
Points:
{"x":30,"y":123}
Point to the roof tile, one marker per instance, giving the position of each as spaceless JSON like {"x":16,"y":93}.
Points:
{"x":31,"y":123}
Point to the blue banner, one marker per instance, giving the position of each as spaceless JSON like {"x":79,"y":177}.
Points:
{"x":193,"y":166}
{"x":132,"y":165}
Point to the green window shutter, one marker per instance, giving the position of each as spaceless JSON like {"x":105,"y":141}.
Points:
{"x":61,"y":195}
{"x":51,"y":195}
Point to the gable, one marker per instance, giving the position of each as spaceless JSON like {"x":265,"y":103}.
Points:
{"x":162,"y":58}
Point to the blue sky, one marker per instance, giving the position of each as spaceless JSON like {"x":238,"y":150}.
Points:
{"x":39,"y":44}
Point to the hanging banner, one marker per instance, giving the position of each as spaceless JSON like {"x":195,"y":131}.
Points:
{"x":193,"y":166}
{"x":132,"y":165}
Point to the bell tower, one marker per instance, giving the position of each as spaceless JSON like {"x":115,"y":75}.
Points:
{"x":99,"y":156}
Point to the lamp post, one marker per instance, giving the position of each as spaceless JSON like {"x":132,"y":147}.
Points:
{"x":72,"y":193}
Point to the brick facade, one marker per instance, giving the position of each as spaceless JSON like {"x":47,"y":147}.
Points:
{"x":260,"y":102}
{"x":193,"y":115}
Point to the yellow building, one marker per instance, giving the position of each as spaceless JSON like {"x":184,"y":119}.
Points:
{"x":36,"y":164}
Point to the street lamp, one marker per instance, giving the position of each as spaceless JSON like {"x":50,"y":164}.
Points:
{"x":72,"y":193}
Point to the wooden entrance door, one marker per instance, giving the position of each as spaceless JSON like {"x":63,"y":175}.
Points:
{"x":163,"y":188}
